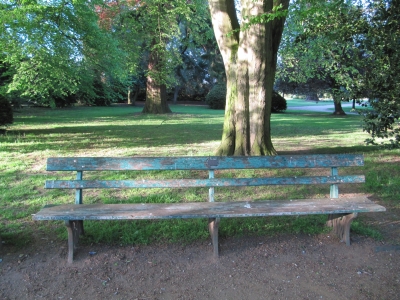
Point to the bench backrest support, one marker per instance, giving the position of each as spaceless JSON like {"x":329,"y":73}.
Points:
{"x":210,"y":164}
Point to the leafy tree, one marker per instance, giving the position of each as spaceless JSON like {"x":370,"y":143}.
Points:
{"x":322,"y":45}
{"x":156,"y":30}
{"x":382,"y":76}
{"x":56,"y":48}
{"x":279,"y":103}
{"x":249,"y":50}
{"x":197,"y":75}
{"x":217,"y":96}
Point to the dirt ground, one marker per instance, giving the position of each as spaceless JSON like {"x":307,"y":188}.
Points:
{"x":274,"y":267}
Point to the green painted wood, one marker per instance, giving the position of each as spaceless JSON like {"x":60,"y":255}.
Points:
{"x":211,"y":190}
{"x":202,"y":163}
{"x":207,"y":209}
{"x":211,"y":182}
{"x":334,"y":189}
{"x":78,"y":192}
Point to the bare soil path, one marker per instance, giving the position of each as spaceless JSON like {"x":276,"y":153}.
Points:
{"x":264,"y":267}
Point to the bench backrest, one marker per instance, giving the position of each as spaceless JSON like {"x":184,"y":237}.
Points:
{"x":210,"y":163}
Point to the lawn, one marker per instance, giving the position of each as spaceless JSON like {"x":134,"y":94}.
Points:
{"x":120,"y":130}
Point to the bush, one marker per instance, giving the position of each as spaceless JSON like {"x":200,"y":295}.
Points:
{"x":216,"y":97}
{"x":64,"y":101}
{"x":278,"y":103}
{"x":6,"y":112}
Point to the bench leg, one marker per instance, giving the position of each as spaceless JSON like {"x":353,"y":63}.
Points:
{"x":341,"y":225}
{"x":213,"y":224}
{"x":75,"y":229}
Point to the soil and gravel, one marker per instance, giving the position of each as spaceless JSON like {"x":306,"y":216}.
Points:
{"x":262,"y":267}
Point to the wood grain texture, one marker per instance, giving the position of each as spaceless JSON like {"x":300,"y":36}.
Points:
{"x":202,"y":162}
{"x":207,"y":209}
{"x":211,"y":182}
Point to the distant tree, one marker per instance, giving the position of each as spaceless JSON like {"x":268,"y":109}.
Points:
{"x":155,"y":30}
{"x":321,"y":44}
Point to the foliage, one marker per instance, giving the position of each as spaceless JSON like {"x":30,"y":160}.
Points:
{"x":353,"y":49}
{"x":321,"y":54}
{"x":383,"y":74}
{"x":216,"y":98}
{"x":320,"y":46}
{"x":276,"y":12}
{"x":279,"y":103}
{"x":55,"y":48}
{"x":161,"y":39}
{"x":201,"y":68}
{"x":6,"y":111}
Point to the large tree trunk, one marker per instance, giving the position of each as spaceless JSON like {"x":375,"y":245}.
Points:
{"x":224,"y":20}
{"x":250,"y":65}
{"x":338,"y":107}
{"x":156,"y":94}
{"x":337,"y":101}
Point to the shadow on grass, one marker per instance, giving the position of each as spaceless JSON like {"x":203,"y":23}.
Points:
{"x":106,"y":128}
{"x":110,"y":136}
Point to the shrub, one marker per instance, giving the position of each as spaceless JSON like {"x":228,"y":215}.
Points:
{"x":64,"y":101}
{"x":216,"y":97}
{"x":278,"y":103}
{"x":6,"y":112}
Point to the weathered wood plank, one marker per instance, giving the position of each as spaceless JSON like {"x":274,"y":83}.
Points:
{"x":211,"y":182}
{"x":207,"y":209}
{"x":202,"y":163}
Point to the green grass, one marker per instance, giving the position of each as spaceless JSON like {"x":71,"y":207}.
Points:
{"x":190,"y":131}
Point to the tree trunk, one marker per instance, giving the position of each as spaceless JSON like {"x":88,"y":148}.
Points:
{"x":132,"y":98}
{"x":156,"y":93}
{"x":312,"y":96}
{"x":176,"y":92}
{"x":338,"y":106}
{"x":250,"y":65}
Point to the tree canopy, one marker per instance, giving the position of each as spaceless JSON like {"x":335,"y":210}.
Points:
{"x":56,"y":52}
{"x":382,"y":75}
{"x":56,"y":47}
{"x":350,"y":49}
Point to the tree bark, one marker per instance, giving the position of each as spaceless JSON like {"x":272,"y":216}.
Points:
{"x":250,"y":65}
{"x":132,"y":98}
{"x":156,"y":93}
{"x":176,"y":92}
{"x":337,"y":101}
{"x":338,"y":108}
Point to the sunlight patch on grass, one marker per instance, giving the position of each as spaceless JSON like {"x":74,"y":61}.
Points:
{"x":190,"y":131}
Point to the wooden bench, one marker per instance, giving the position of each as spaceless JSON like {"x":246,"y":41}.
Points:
{"x":341,"y":211}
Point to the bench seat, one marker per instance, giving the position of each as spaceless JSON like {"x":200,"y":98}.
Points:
{"x":144,"y":211}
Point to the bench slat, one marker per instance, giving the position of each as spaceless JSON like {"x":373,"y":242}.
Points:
{"x":202,"y":163}
{"x":207,"y":209}
{"x":212,"y":182}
